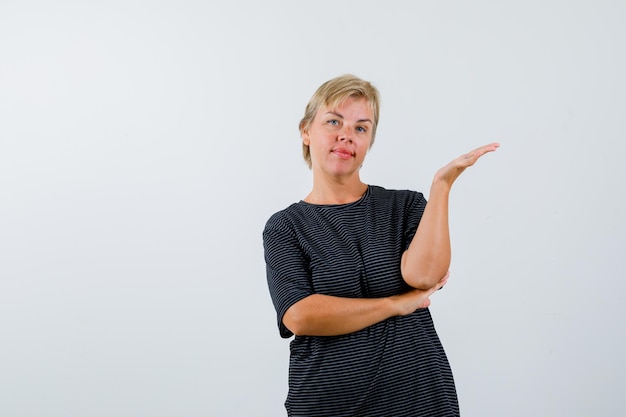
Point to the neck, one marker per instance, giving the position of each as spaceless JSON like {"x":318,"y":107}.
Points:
{"x":336,"y":191}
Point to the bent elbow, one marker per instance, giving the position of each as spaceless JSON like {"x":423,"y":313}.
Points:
{"x":424,"y":281}
{"x":419,"y":283}
{"x":415,"y":279}
{"x":294,"y":321}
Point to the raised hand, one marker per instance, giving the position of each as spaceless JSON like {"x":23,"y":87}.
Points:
{"x":450,"y":172}
{"x":428,"y":256}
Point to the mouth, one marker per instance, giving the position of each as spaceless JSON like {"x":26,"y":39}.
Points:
{"x":343,"y":153}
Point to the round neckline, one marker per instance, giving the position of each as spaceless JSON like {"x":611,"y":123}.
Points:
{"x":355,"y":202}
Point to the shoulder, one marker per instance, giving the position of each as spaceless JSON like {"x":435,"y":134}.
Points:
{"x":286,"y":218}
{"x":391,"y":196}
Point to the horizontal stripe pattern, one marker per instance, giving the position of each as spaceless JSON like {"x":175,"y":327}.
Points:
{"x":394,"y":368}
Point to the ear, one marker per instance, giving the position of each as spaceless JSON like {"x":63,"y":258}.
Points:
{"x":305,"y":138}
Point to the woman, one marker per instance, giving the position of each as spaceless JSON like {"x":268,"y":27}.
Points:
{"x":351,"y":268}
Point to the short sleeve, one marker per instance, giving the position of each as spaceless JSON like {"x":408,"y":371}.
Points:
{"x":413,"y":214}
{"x":288,"y":275}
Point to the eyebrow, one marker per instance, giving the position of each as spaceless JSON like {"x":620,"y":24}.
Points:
{"x":340,"y":115}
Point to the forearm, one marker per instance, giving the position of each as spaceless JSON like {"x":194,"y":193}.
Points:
{"x":325,"y":315}
{"x":427,"y":259}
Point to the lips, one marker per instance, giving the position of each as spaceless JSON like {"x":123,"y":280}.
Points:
{"x":343,"y":153}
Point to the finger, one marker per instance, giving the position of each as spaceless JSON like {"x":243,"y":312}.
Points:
{"x":486,"y":148}
{"x":438,"y":286}
{"x":474,"y":155}
{"x":443,"y":281}
{"x":491,"y":146}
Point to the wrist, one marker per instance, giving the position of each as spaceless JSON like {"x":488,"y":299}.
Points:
{"x":393,"y":306}
{"x":401,"y":304}
{"x":440,"y":185}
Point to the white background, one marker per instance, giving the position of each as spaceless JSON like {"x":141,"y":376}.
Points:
{"x":143,"y":145}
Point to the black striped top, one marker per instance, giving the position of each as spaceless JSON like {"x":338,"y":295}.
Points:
{"x":394,"y":368}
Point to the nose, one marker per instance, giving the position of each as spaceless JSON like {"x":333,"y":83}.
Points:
{"x":345,"y":135}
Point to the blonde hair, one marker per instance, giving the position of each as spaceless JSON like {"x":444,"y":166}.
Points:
{"x":332,"y":94}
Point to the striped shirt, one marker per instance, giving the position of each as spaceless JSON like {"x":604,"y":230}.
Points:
{"x":393,"y":368}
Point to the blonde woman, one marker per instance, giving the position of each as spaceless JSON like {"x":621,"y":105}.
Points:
{"x":350,"y":270}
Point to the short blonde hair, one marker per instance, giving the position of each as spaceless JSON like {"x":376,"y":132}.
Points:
{"x":332,"y":94}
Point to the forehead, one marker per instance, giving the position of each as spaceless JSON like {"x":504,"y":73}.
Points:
{"x":351,"y":105}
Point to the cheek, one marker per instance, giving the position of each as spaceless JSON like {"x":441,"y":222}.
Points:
{"x":366,"y":145}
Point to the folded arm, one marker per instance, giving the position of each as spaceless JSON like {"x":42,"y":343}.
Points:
{"x":325,"y":315}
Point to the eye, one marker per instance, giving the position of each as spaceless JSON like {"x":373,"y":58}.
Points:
{"x":361,"y":129}
{"x":333,"y":122}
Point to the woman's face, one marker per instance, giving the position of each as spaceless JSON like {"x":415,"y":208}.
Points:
{"x":339,"y":138}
